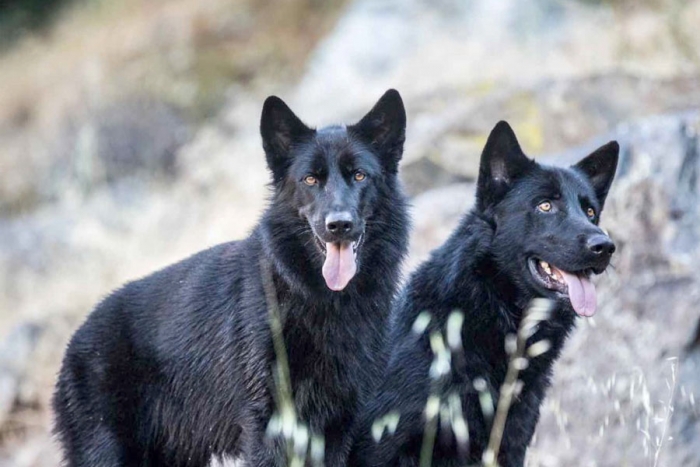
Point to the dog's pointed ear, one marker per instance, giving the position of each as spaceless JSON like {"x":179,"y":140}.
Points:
{"x":502,"y":162}
{"x":384,"y":129}
{"x":599,"y":167}
{"x":280,"y":130}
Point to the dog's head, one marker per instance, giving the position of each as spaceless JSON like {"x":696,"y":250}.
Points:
{"x":330,"y":176}
{"x":545,"y":219}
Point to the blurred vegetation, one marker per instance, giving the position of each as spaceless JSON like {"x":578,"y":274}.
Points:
{"x":83,"y":62}
{"x":20,"y":16}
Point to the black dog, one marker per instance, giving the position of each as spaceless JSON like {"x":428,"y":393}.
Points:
{"x":177,"y":367}
{"x":533,"y":233}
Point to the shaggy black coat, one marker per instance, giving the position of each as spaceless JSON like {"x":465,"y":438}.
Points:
{"x":524,"y":212}
{"x":177,"y":367}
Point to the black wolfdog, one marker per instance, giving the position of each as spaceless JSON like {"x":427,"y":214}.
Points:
{"x":177,"y":367}
{"x":533,"y":233}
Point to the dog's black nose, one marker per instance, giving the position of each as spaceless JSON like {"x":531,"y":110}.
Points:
{"x":339,"y":223}
{"x":601,"y":245}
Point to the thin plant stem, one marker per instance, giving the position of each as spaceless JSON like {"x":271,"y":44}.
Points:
{"x":283,"y":383}
{"x":535,"y":313}
{"x":669,"y":412}
{"x":426,"y":453}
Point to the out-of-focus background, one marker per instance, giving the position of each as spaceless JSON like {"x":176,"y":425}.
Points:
{"x":129,"y":139}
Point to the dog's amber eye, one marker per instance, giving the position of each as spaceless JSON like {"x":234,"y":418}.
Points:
{"x":590,"y":212}
{"x":310,"y":180}
{"x":545,"y":206}
{"x":359,"y":176}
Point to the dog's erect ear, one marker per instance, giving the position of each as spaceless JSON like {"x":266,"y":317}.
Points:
{"x":280,"y":129}
{"x":600,"y":168}
{"x":384,"y":128}
{"x":502,"y":162}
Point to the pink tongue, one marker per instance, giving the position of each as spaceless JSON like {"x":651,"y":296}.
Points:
{"x":581,"y":293}
{"x":340,"y":265}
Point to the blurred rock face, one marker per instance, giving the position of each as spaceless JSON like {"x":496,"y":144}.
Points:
{"x":137,"y":138}
{"x":623,"y":375}
{"x":455,"y":48}
{"x":130,"y":137}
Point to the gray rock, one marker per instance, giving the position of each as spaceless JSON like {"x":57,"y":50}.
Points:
{"x":623,"y":385}
{"x":135,"y":138}
{"x":129,"y":137}
{"x":15,"y":359}
{"x":435,"y":214}
{"x":423,"y":174}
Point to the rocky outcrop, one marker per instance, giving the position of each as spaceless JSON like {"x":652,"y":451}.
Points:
{"x":15,"y":361}
{"x":624,"y":388}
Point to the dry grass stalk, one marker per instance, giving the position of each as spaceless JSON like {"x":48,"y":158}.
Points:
{"x":519,"y":352}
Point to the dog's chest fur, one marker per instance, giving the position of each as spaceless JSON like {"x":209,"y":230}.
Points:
{"x":319,"y":338}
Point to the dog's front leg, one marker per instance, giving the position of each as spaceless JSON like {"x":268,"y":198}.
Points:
{"x":519,"y":429}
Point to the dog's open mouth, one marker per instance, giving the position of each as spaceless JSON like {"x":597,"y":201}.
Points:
{"x":340,"y":263}
{"x":577,"y":286}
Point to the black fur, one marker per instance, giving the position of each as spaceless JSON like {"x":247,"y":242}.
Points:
{"x":484,"y":270}
{"x":175,"y":368}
